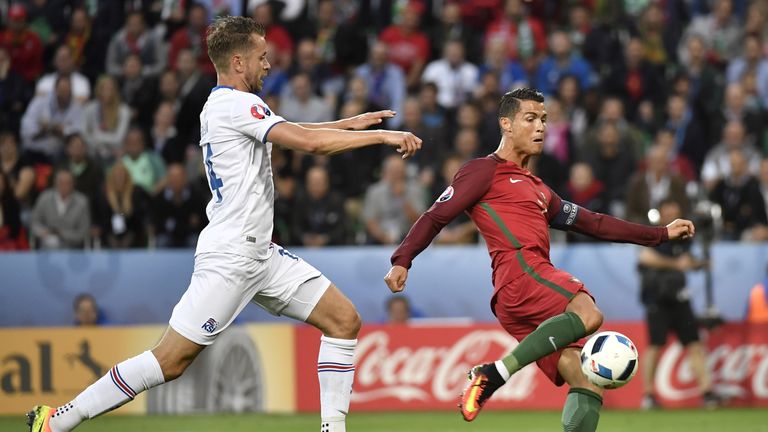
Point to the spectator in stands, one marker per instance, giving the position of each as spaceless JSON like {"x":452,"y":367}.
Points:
{"x":106,"y":120}
{"x":392,"y":204}
{"x":466,"y":144}
{"x":194,"y":88}
{"x":579,"y":25}
{"x":605,"y":44}
{"x":264,"y":14}
{"x":136,"y":90}
{"x":562,"y":61}
{"x":450,"y":26}
{"x":570,"y":96}
{"x":717,"y":164}
{"x":433,"y":114}
{"x":398,"y":309}
{"x":612,"y":164}
{"x":319,"y":218}
{"x":385,"y":81}
{"x":18,"y":171}
{"x":647,"y":188}
{"x":657,"y":37}
{"x":668,"y":308}
{"x":739,"y":196}
{"x":61,"y":217}
{"x":691,"y":139}
{"x":14,"y":94}
{"x":635,"y":80}
{"x":558,"y":142}
{"x":302,"y":105}
{"x":678,"y":164}
{"x":145,"y":166}
{"x":178,"y":211}
{"x":456,"y":78}
{"x":136,"y":38}
{"x":752,"y":60}
{"x":87,"y":173}
{"x":79,"y":39}
{"x":735,"y":109}
{"x":49,"y":119}
{"x":123,"y":210}
{"x":706,"y":82}
{"x":720,"y":31}
{"x":164,"y":135}
{"x":436,"y":146}
{"x":612,"y":111}
{"x":23,"y":45}
{"x":324,"y":81}
{"x":583,"y":189}
{"x":64,"y":64}
{"x":461,"y":230}
{"x":274,"y":83}
{"x":511,"y":73}
{"x":524,"y":35}
{"x":192,"y":37}
{"x":12,"y":236}
{"x":87,"y":313}
{"x":166,"y":89}
{"x":407,"y":45}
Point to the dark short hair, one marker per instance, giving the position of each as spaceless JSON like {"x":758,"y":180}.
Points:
{"x":510,"y":102}
{"x":229,"y":34}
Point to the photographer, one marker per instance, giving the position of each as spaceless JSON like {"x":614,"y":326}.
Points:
{"x":668,"y":308}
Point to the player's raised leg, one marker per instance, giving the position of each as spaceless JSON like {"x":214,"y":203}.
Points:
{"x":581,"y":317}
{"x":166,"y":362}
{"x":581,"y":411}
{"x":339,"y":321}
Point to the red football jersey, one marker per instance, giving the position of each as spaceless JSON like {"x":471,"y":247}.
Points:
{"x":513,"y":210}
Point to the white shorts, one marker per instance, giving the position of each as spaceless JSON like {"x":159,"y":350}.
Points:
{"x":222,"y":284}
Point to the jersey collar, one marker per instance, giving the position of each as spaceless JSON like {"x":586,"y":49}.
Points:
{"x":221,"y":87}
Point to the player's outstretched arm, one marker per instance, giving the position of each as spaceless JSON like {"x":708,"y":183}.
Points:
{"x":358,"y":122}
{"x":332,"y":141}
{"x":567,"y":216}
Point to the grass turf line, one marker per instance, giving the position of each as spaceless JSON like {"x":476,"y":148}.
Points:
{"x":742,"y":420}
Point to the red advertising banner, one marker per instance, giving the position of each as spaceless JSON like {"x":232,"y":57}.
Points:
{"x":424,"y":368}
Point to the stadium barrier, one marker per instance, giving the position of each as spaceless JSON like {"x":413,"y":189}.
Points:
{"x":399,"y":368}
{"x":141,"y":287}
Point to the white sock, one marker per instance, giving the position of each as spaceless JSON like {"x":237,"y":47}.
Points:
{"x":502,"y":370}
{"x":120,"y":385}
{"x":335,"y":371}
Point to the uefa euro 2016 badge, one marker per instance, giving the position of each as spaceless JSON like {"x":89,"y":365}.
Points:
{"x":446,"y":195}
{"x":260,"y":111}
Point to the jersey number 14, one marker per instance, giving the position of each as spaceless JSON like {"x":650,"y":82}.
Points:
{"x":216,"y":183}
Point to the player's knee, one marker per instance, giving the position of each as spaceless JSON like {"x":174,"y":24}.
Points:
{"x":593,"y":319}
{"x":348,"y":324}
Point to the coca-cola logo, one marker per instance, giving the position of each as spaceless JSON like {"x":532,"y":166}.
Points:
{"x":736,"y":370}
{"x":431,"y":372}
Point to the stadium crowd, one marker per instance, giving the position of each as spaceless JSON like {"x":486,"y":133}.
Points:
{"x":646,"y":99}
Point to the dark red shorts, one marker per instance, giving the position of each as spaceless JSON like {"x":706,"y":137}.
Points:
{"x":531,"y":298}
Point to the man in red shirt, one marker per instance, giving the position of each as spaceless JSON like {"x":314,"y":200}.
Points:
{"x":23,"y":45}
{"x":548,"y":310}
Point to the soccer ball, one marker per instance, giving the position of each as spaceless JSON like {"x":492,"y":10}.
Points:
{"x":609,"y":359}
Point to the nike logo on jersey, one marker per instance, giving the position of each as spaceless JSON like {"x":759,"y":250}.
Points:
{"x":552,"y":341}
{"x":515,"y":181}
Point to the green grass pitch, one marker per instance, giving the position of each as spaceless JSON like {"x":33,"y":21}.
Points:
{"x":732,"y":420}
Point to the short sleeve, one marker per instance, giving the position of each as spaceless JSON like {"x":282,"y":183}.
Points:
{"x":252,"y":116}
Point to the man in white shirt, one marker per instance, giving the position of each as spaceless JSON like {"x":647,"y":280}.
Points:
{"x":235,"y":262}
{"x":455,"y":78}
{"x":65,"y":65}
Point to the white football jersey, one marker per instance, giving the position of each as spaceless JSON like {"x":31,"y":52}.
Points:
{"x":237,"y":157}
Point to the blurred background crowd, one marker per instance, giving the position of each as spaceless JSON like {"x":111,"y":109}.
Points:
{"x":646,"y":99}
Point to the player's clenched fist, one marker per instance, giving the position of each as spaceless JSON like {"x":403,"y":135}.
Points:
{"x":406,"y":142}
{"x":396,"y":277}
{"x":680,"y":229}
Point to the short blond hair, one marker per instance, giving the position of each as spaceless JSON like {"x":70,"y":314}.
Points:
{"x":228,"y":35}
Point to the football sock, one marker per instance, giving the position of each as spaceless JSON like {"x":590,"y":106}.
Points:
{"x":335,"y":371}
{"x":120,"y":385}
{"x":581,"y":411}
{"x":552,"y":335}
